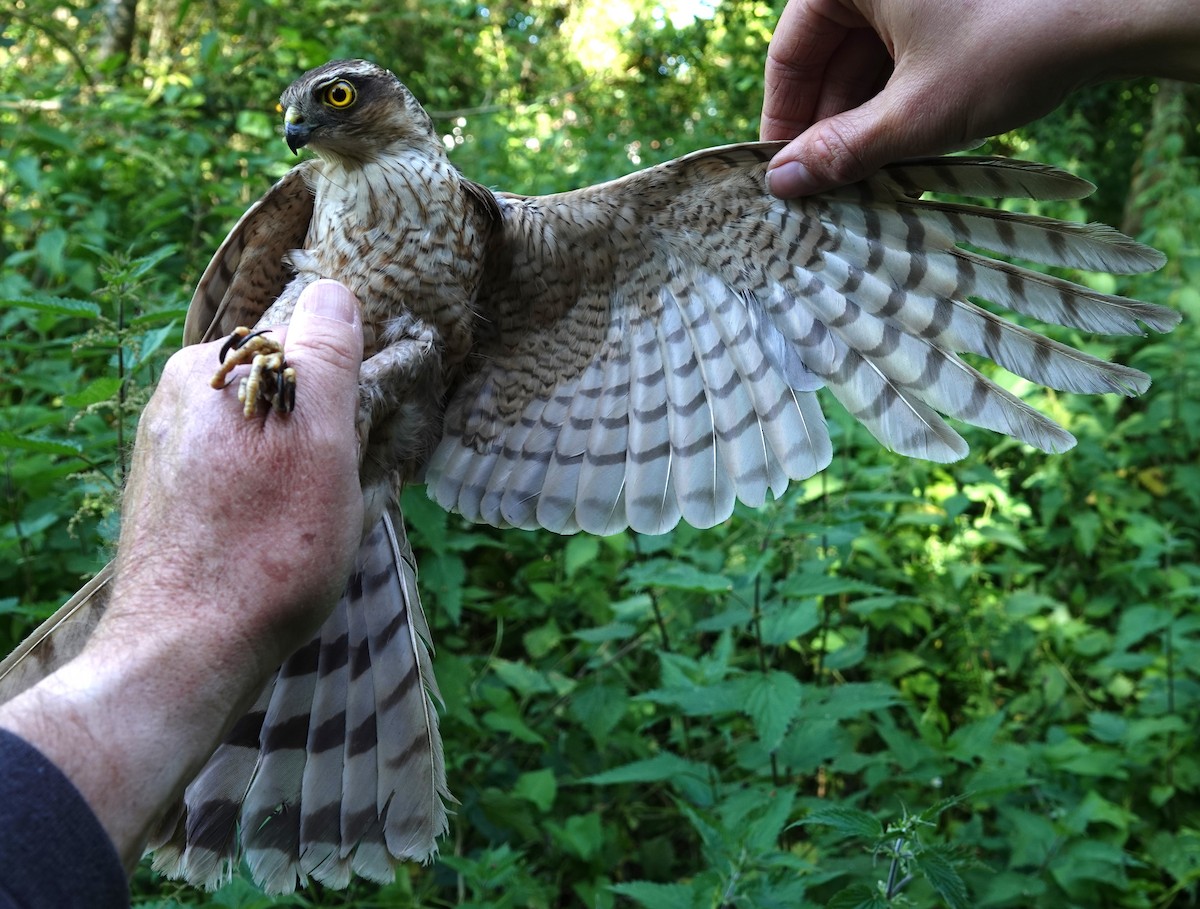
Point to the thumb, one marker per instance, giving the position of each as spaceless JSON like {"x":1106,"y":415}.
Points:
{"x":327,"y":326}
{"x":852,"y":145}
{"x":325,"y":339}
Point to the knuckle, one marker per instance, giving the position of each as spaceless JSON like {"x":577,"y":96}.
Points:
{"x":835,"y":155}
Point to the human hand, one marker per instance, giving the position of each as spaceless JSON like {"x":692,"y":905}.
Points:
{"x":247,"y":526}
{"x":865,"y":82}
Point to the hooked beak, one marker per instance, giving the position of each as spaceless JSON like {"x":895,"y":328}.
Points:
{"x":295,"y":131}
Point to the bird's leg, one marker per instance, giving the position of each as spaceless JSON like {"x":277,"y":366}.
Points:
{"x":270,"y":380}
{"x":400,"y":398}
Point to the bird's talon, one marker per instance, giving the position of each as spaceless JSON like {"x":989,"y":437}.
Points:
{"x":270,"y":381}
{"x":238,"y":339}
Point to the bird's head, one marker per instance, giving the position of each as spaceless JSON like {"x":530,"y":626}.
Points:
{"x":353,"y":110}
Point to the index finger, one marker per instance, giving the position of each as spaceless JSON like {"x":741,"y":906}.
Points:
{"x":808,"y":36}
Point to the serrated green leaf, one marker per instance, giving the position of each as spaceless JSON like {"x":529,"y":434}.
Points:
{"x":97,"y":390}
{"x":854,"y":699}
{"x":159,"y":317}
{"x":664,"y":766}
{"x":66,"y":306}
{"x":787,"y":621}
{"x":581,"y":834}
{"x":615,"y":631}
{"x":538,"y":787}
{"x":845,"y":820}
{"x":43,"y":446}
{"x":580,"y":550}
{"x":521,"y":677}
{"x":677,"y":576}
{"x":806,"y":584}
{"x":937,"y":867}
{"x":764,"y":832}
{"x":772,"y":701}
{"x":968,"y":742}
{"x":857,"y":896}
{"x":713,"y":699}
{"x":152,"y":341}
{"x":656,"y":896}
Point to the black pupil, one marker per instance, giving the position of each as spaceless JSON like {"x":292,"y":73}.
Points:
{"x":339,"y":95}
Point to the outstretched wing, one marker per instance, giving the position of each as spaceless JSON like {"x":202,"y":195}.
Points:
{"x":654,"y":343}
{"x":249,"y":270}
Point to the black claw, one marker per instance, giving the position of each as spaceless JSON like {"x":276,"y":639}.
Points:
{"x":236,"y":342}
{"x":287,"y":396}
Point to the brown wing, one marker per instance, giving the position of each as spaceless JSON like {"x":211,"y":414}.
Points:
{"x":655,"y":342}
{"x":57,"y":640}
{"x":250,"y":269}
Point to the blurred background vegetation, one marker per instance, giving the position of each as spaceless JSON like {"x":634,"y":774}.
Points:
{"x":984,"y":676}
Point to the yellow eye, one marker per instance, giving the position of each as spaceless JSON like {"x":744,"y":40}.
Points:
{"x":340,"y":95}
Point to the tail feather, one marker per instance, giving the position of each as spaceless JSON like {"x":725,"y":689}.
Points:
{"x":339,"y":767}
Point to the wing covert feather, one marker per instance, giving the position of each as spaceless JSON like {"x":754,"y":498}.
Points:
{"x":249,"y":270}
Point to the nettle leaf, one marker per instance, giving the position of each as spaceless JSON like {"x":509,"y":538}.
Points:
{"x":771,"y":700}
{"x":970,"y":741}
{"x":676,"y":576}
{"x":806,"y":584}
{"x":665,"y":766}
{"x":713,"y":699}
{"x":1138,"y":622}
{"x":656,"y":896}
{"x":857,"y":896}
{"x":581,"y":550}
{"x":845,"y":820}
{"x":65,"y":306}
{"x":98,"y":390}
{"x":581,"y":835}
{"x":538,"y":787}
{"x":854,"y":699}
{"x":42,"y":446}
{"x":764,"y":832}
{"x":937,"y":867}
{"x":151,"y":342}
{"x":784,"y":622}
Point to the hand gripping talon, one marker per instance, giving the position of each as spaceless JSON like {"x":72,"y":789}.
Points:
{"x":271,"y":380}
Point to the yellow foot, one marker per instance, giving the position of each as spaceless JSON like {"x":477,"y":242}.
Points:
{"x":271,"y":380}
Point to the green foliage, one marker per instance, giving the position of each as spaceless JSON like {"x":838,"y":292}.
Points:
{"x":901,"y":684}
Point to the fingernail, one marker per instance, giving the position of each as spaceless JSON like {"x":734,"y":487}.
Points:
{"x":790,"y":179}
{"x":329,"y":299}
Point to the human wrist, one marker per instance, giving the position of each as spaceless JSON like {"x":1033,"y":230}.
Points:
{"x":133,"y":718}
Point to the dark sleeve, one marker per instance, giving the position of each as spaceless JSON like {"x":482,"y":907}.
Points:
{"x":53,"y":851}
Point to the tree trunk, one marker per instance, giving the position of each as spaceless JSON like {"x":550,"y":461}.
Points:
{"x":116,"y":49}
{"x":1168,"y":121}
